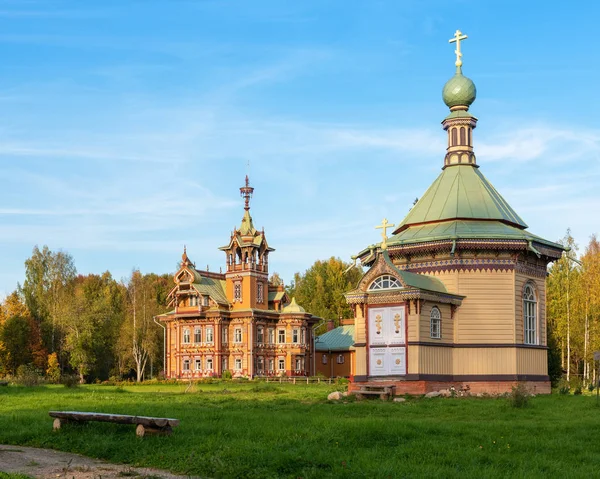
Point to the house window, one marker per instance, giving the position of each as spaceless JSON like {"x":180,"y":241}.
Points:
{"x":209,"y":364}
{"x":260,"y":335}
{"x":298,"y":365}
{"x":530,"y":314}
{"x":324,"y":359}
{"x":209,"y":335}
{"x":302,"y":336}
{"x":281,"y":336}
{"x":435,"y":323}
{"x":260,"y":295}
{"x":223,"y":364}
{"x":238,"y":335}
{"x":197,"y":335}
{"x":340,"y":359}
{"x":271,"y":365}
{"x":295,"y":336}
{"x":186,"y":364}
{"x":271,"y":336}
{"x":193,"y":301}
{"x":238,"y":364}
{"x":186,"y":336}
{"x":281,"y":364}
{"x":385,"y":282}
{"x":260,"y":365}
{"x":237,"y":292}
{"x":205,"y":300}
{"x":198,"y":364}
{"x":224,"y":334}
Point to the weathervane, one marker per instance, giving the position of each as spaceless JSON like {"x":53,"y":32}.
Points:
{"x":384,"y":226}
{"x":458,"y":36}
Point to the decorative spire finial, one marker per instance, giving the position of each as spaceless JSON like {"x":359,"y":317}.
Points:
{"x":458,"y":36}
{"x":246,"y":193}
{"x":384,"y":226}
{"x":184,"y":256}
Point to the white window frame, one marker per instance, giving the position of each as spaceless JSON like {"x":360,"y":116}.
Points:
{"x":193,"y":300}
{"x":238,"y":364}
{"x":271,"y":332}
{"x":530,"y":316}
{"x":205,"y":300}
{"x":340,"y":359}
{"x":435,"y":323}
{"x":186,"y":336}
{"x":197,"y":335}
{"x":271,"y":364}
{"x":186,"y":365}
{"x":280,"y":336}
{"x":209,"y":364}
{"x":385,"y":281}
{"x":302,"y":336}
{"x":260,"y":334}
{"x":224,"y":334}
{"x":295,"y":335}
{"x":238,"y":335}
{"x":210,"y":337}
{"x":197,"y":364}
{"x":280,"y":364}
{"x":324,"y":359}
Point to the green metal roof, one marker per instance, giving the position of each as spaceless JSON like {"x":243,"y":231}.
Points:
{"x":460,"y":229}
{"x":214,"y":288}
{"x":461,"y":192}
{"x":276,"y":296}
{"x":415,"y":280}
{"x":338,"y":339}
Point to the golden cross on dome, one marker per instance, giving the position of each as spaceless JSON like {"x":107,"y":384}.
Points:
{"x":246,"y":192}
{"x":458,"y":36}
{"x":384,"y":226}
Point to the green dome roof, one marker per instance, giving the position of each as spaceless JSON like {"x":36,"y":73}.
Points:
{"x":459,"y":91}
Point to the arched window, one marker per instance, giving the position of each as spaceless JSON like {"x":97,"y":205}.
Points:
{"x":462,"y":136}
{"x":435,"y":323}
{"x":530,"y":315}
{"x":469,"y":137}
{"x":385,"y":282}
{"x":454,"y":141}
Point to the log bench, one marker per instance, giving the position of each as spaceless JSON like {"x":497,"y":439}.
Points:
{"x":144,"y":425}
{"x":384,"y":392}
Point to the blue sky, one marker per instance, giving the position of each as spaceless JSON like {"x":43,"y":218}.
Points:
{"x":126,"y":126}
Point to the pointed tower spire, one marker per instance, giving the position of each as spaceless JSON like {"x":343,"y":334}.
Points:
{"x":246,"y":193}
{"x":459,"y":93}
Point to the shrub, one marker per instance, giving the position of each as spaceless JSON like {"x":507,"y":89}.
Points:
{"x":70,"y":380}
{"x":591,"y":387}
{"x":563,"y":387}
{"x":519,"y":396}
{"x":226,"y":374}
{"x":53,"y":371}
{"x":342,"y":381}
{"x":576,"y":385}
{"x":28,"y":376}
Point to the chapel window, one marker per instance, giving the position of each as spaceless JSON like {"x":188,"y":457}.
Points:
{"x":435,"y":323}
{"x":462,"y":136}
{"x":454,"y":140}
{"x":385,"y":282}
{"x":530,"y":314}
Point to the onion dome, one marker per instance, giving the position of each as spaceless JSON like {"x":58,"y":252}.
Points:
{"x":459,"y":90}
{"x":293,"y":307}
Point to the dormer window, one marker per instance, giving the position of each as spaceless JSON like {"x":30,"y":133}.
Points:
{"x":193,"y":300}
{"x":385,"y":282}
{"x":205,"y":300}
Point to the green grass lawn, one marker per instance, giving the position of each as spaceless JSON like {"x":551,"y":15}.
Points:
{"x":252,"y":430}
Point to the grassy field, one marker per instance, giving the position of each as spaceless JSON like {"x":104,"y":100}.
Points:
{"x":258,"y":430}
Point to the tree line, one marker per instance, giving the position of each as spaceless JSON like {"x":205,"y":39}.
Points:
{"x":573,"y":312}
{"x":59,"y":322}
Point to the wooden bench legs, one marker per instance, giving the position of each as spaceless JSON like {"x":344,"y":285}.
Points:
{"x":142,"y":430}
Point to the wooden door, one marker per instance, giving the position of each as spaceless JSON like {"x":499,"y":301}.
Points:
{"x":387,"y":342}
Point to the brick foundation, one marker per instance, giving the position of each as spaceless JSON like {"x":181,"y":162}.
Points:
{"x":421,"y":387}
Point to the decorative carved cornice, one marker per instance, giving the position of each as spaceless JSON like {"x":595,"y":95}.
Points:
{"x":460,"y":264}
{"x":529,"y":269}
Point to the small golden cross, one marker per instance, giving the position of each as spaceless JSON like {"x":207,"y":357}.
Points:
{"x":384,"y":226}
{"x":378,"y":322}
{"x":458,"y":36}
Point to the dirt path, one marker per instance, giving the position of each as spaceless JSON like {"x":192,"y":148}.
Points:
{"x":50,"y":464}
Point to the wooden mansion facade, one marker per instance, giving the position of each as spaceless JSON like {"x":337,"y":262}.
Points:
{"x":238,"y":321}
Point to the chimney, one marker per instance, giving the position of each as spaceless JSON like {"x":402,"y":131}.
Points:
{"x":330,"y":325}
